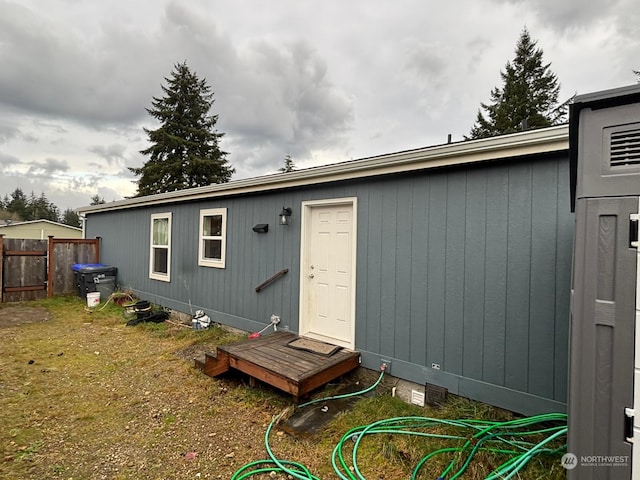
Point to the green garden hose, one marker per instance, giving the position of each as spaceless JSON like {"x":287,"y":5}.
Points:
{"x":506,"y":438}
{"x":487,"y":436}
{"x":296,"y":470}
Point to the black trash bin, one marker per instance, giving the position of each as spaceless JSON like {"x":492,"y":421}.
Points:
{"x":89,"y":275}
{"x":106,"y":286}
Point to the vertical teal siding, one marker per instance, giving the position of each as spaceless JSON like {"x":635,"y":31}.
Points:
{"x":474,"y":250}
{"x":518,"y":301}
{"x":468,"y":268}
{"x":402,"y":275}
{"x":435,"y":271}
{"x":385,"y":288}
{"x":543,"y":285}
{"x":495,"y":277}
{"x":455,"y":228}
{"x":369,"y":305}
{"x":417,"y":283}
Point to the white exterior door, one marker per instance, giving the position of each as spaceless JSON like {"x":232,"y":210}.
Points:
{"x":327,"y":271}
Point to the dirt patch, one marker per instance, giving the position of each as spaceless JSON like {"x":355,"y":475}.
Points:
{"x":14,"y":315}
{"x":194,"y":351}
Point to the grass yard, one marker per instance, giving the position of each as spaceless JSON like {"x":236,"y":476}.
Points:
{"x":82,"y":396}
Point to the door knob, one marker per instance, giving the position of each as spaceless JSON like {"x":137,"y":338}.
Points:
{"x":311,"y":275}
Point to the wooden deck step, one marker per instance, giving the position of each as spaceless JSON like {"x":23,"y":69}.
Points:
{"x":214,"y":364}
{"x":269,"y":358}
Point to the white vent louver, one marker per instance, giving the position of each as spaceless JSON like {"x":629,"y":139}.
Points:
{"x":625,"y":148}
{"x":417,"y":398}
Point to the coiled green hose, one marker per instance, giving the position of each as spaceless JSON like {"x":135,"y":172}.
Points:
{"x":506,"y":438}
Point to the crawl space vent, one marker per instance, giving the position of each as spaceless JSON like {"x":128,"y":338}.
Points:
{"x":417,"y":398}
{"x":625,"y":148}
{"x":435,"y":395}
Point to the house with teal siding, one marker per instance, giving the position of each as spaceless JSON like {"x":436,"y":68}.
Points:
{"x":451,"y":262}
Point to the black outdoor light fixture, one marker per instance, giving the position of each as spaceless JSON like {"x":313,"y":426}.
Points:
{"x":261,"y":228}
{"x":284,"y":215}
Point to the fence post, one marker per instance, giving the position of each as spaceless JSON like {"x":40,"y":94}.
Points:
{"x":1,"y":267}
{"x":50,"y":267}
{"x":97,"y":247}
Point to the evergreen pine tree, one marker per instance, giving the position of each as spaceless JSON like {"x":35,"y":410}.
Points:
{"x":184,"y":150}
{"x":289,"y":165}
{"x":97,"y":200}
{"x":17,"y":204}
{"x":527,"y":100}
{"x":40,"y":208}
{"x":70,"y":217}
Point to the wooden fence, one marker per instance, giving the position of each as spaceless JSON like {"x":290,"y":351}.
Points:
{"x":35,"y":269}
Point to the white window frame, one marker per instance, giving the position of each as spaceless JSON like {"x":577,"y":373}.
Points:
{"x":210,"y":262}
{"x":164,"y":277}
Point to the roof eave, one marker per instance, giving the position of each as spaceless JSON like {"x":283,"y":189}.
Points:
{"x":460,"y":153}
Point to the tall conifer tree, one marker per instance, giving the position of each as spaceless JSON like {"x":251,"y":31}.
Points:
{"x":528,"y":98}
{"x":289,"y":165}
{"x":17,"y":204}
{"x":70,"y":217}
{"x":185,"y":149}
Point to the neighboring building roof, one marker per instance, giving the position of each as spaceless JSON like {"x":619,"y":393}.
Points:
{"x":38,"y":230}
{"x":29,"y":222}
{"x":459,"y":153}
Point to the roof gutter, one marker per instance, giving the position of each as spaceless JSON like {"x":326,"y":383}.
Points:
{"x":459,"y":153}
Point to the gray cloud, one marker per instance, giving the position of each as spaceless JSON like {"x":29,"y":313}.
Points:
{"x":284,"y":103}
{"x":48,"y":168}
{"x":476,"y":48}
{"x":109,"y":194}
{"x":427,"y":61}
{"x":86,"y":182}
{"x":266,"y":93}
{"x":55,"y":128}
{"x":11,"y":130}
{"x":8,"y":160}
{"x":568,"y":15}
{"x":8,"y":132}
{"x":89,"y":79}
{"x":113,"y":153}
{"x":322,"y":82}
{"x":272,"y":98}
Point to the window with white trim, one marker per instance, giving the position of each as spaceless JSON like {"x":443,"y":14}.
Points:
{"x":160,"y":247}
{"x":212,"y":238}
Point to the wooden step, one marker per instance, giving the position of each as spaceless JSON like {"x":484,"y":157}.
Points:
{"x":199,"y":363}
{"x":270,"y":360}
{"x":214,"y":364}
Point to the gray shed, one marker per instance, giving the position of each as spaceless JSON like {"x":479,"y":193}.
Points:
{"x":451,"y":262}
{"x":604,"y":386}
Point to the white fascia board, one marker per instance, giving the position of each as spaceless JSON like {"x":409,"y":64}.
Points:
{"x":471,"y":151}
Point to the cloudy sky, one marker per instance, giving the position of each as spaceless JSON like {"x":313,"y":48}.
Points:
{"x":322,"y":81}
